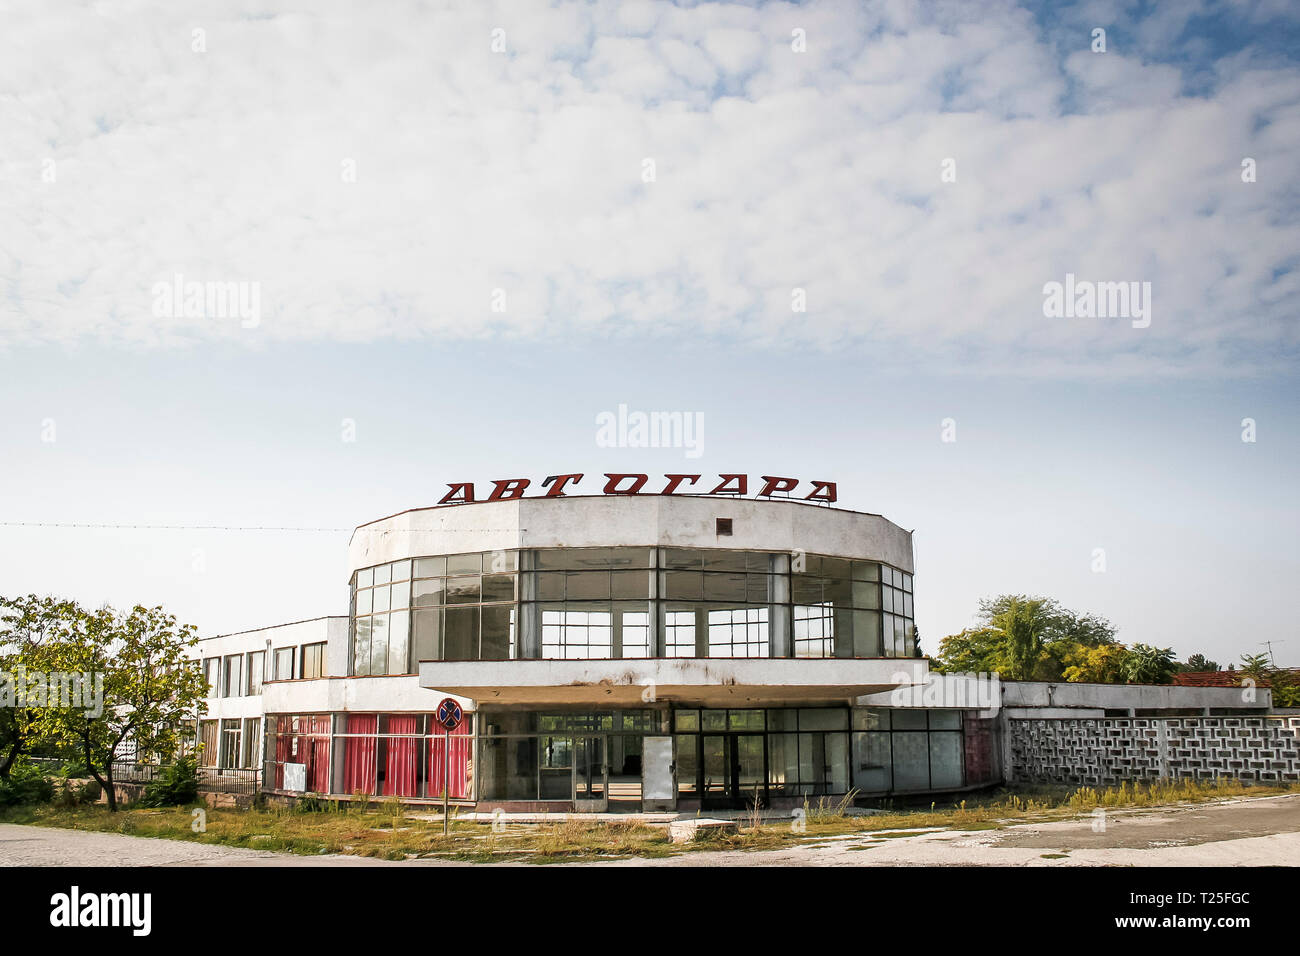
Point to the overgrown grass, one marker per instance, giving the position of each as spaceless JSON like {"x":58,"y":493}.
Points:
{"x":384,"y":830}
{"x":1164,"y":792}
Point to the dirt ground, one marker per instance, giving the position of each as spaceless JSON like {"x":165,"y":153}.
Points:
{"x":1252,"y":832}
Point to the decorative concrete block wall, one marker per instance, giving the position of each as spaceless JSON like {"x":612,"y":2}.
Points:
{"x":1104,"y":751}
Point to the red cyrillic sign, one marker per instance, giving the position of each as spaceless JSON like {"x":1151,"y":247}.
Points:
{"x":726,"y":486}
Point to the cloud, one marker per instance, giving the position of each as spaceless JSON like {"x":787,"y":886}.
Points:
{"x":518,"y":177}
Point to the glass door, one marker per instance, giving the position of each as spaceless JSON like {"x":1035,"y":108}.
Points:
{"x":626,"y":766}
{"x":734,"y":771}
{"x":590,"y":774}
{"x":751,"y":770}
{"x":716,"y":767}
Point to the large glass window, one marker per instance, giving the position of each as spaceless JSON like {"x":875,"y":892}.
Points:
{"x":300,"y":740}
{"x":209,"y":743}
{"x":789,"y":752}
{"x":899,"y":632}
{"x":313,"y":660}
{"x":394,"y":755}
{"x":904,"y":750}
{"x":230,"y":682}
{"x":530,"y":755}
{"x":837,"y":608}
{"x":679,"y":633}
{"x":626,"y":603}
{"x":252,"y":742}
{"x":460,"y":634}
{"x":738,"y":632}
{"x":426,"y":635}
{"x":231,"y":755}
{"x":576,"y":635}
{"x":447,"y":607}
{"x":497,"y":632}
{"x":814,"y":630}
{"x":256,"y":671}
{"x":592,"y":559}
{"x":636,"y":633}
{"x":212,"y":675}
{"x":734,"y":754}
{"x":284,"y":663}
{"x":381,"y":603}
{"x":808,"y":751}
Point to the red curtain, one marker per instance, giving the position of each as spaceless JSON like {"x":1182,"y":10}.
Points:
{"x":282,"y":742}
{"x":359,"y":754}
{"x":400,"y":769}
{"x":302,"y":748}
{"x":304,"y":740}
{"x":460,"y":750}
{"x":307,"y":740}
{"x":318,"y":774}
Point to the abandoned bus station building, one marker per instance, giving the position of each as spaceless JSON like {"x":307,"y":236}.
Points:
{"x":629,"y":652}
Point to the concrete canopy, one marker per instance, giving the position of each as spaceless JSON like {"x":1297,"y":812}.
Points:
{"x":711,"y":682}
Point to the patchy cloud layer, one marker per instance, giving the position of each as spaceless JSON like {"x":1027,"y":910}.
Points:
{"x":505,"y":192}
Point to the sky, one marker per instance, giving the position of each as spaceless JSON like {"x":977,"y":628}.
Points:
{"x":461,"y":232}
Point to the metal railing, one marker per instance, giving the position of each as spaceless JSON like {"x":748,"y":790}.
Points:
{"x":131,"y":772}
{"x":247,"y":780}
{"x":214,"y":779}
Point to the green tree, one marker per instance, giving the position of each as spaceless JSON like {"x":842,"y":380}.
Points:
{"x":1059,"y":624}
{"x":1282,"y":682}
{"x":1104,"y":664}
{"x":1022,"y":624}
{"x":1255,"y":666}
{"x":1285,"y":687}
{"x":26,"y":623}
{"x":974,"y":650}
{"x":1149,"y":665}
{"x":1064,"y":635}
{"x":1197,"y":664}
{"x":150,"y":684}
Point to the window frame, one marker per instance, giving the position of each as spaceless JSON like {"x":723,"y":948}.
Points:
{"x":321,"y":647}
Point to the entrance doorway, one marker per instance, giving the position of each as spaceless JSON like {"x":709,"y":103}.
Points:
{"x":625,"y":771}
{"x":733,"y":768}
{"x":590,"y":774}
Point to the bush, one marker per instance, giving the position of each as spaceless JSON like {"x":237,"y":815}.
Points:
{"x":26,"y":785}
{"x":74,"y":768}
{"x":176,"y":786}
{"x":311,"y":803}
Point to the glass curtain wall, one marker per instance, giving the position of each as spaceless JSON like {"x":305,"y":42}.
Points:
{"x":626,"y":603}
{"x":727,"y":757}
{"x":734,"y":756}
{"x":303,"y":739}
{"x":530,"y":755}
{"x":902,"y":750}
{"x":399,"y":755}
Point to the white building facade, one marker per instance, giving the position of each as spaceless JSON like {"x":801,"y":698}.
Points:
{"x":620,"y":652}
